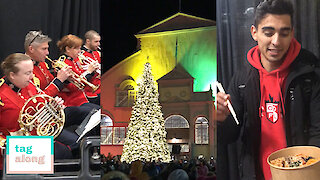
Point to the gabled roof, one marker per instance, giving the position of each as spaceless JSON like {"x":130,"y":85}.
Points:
{"x":178,"y":21}
{"x":177,"y":73}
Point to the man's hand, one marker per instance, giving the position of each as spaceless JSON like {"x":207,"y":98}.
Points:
{"x":222,"y":106}
{"x":60,"y":101}
{"x":64,"y":73}
{"x":93,"y":66}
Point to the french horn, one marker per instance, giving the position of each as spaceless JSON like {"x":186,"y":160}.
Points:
{"x":41,"y":114}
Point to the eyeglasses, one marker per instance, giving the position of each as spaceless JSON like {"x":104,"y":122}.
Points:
{"x":38,"y":34}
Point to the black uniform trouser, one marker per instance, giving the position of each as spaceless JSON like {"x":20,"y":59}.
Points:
{"x":65,"y":144}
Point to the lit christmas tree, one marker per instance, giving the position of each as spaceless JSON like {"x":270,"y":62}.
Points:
{"x":146,"y":137}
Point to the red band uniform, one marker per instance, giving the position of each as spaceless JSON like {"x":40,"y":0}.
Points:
{"x":53,"y":86}
{"x":96,"y":79}
{"x":12,"y":100}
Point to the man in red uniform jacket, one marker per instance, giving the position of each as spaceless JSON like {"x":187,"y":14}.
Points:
{"x":90,"y":54}
{"x":37,"y":47}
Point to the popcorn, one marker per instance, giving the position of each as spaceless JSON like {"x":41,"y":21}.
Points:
{"x":297,"y":160}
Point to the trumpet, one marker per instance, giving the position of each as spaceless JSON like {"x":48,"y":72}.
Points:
{"x":87,"y":61}
{"x":79,"y":81}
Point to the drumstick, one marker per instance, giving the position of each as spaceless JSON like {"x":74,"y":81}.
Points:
{"x":228,"y":102}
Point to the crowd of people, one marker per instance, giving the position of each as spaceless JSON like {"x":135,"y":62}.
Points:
{"x":182,"y":169}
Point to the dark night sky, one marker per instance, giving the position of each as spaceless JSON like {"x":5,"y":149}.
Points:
{"x":120,"y":20}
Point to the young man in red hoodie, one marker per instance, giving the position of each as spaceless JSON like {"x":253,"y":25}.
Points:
{"x":269,"y":94}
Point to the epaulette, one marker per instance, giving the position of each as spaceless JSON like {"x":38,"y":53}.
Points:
{"x":86,"y":49}
{"x":83,"y":48}
{"x":1,"y":81}
{"x":80,"y":57}
{"x":62,"y":58}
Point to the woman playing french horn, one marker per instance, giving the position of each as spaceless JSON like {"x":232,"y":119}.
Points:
{"x":18,"y":70}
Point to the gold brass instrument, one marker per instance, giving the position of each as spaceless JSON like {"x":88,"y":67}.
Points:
{"x":87,"y":61}
{"x":41,"y":113}
{"x":79,"y":81}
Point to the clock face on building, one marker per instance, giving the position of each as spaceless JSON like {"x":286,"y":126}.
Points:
{"x":174,"y":94}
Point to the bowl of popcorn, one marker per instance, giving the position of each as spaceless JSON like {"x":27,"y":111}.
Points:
{"x":295,"y":163}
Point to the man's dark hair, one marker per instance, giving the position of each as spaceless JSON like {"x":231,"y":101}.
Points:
{"x":279,"y":7}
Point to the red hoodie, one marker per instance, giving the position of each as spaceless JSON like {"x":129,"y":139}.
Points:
{"x":272,"y":103}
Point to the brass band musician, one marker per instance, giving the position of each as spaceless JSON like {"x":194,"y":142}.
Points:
{"x":90,"y":53}
{"x":37,"y":47}
{"x":18,"y":70}
{"x":69,"y":47}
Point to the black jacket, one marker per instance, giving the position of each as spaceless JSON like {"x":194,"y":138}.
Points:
{"x":302,"y":107}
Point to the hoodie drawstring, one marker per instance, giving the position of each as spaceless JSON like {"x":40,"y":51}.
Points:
{"x":281,"y":96}
{"x":262,"y":99}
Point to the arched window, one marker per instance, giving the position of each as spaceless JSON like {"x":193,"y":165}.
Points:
{"x":106,"y":120}
{"x":201,"y":131}
{"x":176,"y":121}
{"x":106,"y":129}
{"x":126,"y":93}
{"x":111,"y":135}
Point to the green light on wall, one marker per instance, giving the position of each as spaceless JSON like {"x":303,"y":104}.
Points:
{"x":200,"y":61}
{"x":194,"y":50}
